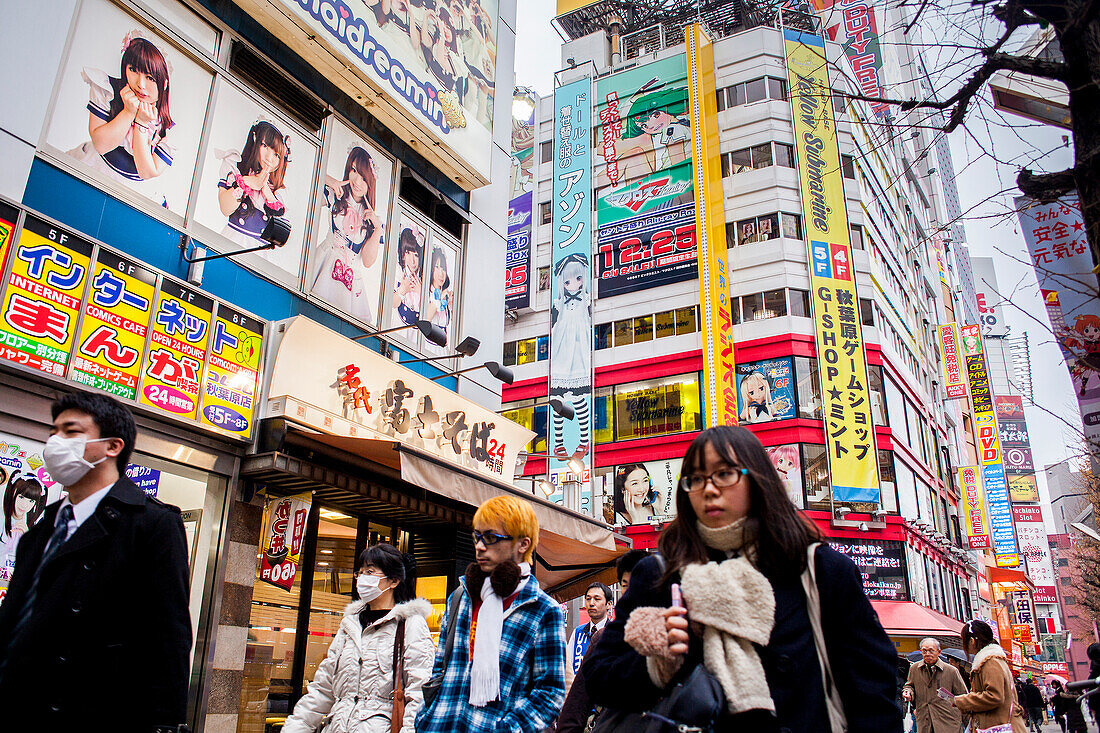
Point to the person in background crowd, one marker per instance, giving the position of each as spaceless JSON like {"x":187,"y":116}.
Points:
{"x":1033,"y":701}
{"x":506,"y":671}
{"x":1058,"y":705}
{"x":597,"y":602}
{"x":992,"y":698}
{"x":933,"y":713}
{"x":1070,"y":704}
{"x":1093,"y":653}
{"x":738,"y":547}
{"x":95,"y":630}
{"x":354,"y":686}
{"x":578,"y":710}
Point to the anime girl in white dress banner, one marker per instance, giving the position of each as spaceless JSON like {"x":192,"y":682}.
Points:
{"x":571,"y":307}
{"x":349,"y":244}
{"x":130,"y":107}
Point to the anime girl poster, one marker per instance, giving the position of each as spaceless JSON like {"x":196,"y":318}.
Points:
{"x":257,"y":166}
{"x":404,"y":290}
{"x":130,"y":107}
{"x":349,"y":243}
{"x":788,"y":463}
{"x":27,"y":489}
{"x":765,"y":390}
{"x":440,"y":288}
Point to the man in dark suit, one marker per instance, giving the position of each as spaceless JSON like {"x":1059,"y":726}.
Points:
{"x":95,"y":632}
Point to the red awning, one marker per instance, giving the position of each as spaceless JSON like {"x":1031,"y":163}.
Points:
{"x":905,"y":618}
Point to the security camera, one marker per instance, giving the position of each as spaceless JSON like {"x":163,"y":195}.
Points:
{"x":863,"y":527}
{"x":276,"y":232}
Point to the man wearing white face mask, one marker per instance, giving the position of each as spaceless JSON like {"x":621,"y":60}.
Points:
{"x":95,"y":629}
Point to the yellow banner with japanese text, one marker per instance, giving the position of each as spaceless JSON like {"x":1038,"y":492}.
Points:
{"x":841,"y":358}
{"x":719,"y":363}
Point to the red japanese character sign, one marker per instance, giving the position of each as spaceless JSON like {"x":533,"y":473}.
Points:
{"x":48,"y":274}
{"x":284,"y":530}
{"x":116,"y":318}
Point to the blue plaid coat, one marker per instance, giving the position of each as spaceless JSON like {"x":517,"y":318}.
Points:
{"x":532,"y":670}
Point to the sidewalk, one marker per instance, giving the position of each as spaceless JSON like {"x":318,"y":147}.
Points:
{"x":1052,"y":727}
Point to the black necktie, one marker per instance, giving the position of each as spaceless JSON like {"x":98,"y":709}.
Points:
{"x":60,"y":534}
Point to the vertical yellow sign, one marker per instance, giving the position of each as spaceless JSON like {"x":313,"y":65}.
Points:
{"x":719,"y":364}
{"x":841,"y":359}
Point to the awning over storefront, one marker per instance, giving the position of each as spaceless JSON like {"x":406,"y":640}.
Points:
{"x":905,"y":618}
{"x":574,"y":549}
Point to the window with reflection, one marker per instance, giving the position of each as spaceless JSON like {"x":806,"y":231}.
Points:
{"x":531,"y":417}
{"x":878,"y":394}
{"x":657,"y":407}
{"x":808,"y":387}
{"x":603,"y":415}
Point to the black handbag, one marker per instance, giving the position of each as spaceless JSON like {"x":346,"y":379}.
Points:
{"x":693,"y":705}
{"x":430,"y":689}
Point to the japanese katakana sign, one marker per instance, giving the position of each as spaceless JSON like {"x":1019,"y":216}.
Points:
{"x":571,"y":272}
{"x":954,"y":382}
{"x":116,"y":319}
{"x":177,"y":350}
{"x":1018,"y":463}
{"x":232,"y":371}
{"x":49,"y":269}
{"x":988,"y":443}
{"x":333,"y":384}
{"x":841,"y":359}
{"x":284,"y":532}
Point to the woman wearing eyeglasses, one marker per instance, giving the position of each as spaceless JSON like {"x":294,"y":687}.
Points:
{"x":737,"y":550}
{"x":353,"y":689}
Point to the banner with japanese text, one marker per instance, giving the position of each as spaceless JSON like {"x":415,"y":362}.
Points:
{"x":988,"y":443}
{"x":841,"y":357}
{"x":517,"y":288}
{"x":284,"y":533}
{"x":45,"y":288}
{"x":116,"y":319}
{"x":77,"y":309}
{"x":853,"y":24}
{"x":1035,"y":547}
{"x":719,"y":357}
{"x":954,"y":382}
{"x":1016,"y":446}
{"x":644,"y":191}
{"x":974,"y":512}
{"x":1060,"y":256}
{"x":177,"y":350}
{"x":232,"y":371}
{"x":571,"y":272}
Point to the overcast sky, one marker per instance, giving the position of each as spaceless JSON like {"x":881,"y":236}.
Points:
{"x":991,"y":227}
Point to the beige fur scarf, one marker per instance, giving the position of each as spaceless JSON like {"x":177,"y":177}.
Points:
{"x":735,"y":605}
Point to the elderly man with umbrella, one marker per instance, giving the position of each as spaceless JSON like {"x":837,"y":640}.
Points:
{"x":934,"y":714}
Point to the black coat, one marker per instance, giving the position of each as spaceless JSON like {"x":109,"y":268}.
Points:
{"x":1033,"y":696}
{"x":862,"y":656}
{"x":108,"y":646}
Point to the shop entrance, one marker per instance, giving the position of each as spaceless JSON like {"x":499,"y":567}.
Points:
{"x":290,"y":631}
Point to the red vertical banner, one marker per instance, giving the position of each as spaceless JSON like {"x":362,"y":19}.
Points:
{"x":284,"y":531}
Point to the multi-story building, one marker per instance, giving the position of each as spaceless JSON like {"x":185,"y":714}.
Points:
{"x":648,"y":341}
{"x":357,"y":200}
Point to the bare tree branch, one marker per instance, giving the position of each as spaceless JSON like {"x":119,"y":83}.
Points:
{"x":1047,"y":187}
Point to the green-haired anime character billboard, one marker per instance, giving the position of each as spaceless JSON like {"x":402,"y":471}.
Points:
{"x":643,"y":140}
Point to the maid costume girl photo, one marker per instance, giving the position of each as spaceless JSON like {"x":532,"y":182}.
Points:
{"x":249,"y":183}
{"x":24,"y":501}
{"x":128,"y":119}
{"x":354,"y":238}
{"x":571,"y":349}
{"x":440,"y":295}
{"x":406,"y":293}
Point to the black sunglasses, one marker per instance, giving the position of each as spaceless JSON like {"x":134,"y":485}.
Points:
{"x":489,"y":538}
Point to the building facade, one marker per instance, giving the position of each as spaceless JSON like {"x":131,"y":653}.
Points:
{"x":297,"y":396}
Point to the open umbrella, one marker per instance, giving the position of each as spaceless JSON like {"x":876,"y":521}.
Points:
{"x":1050,"y":677}
{"x":947,"y":652}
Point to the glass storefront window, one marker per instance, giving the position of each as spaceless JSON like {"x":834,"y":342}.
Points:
{"x":532,"y":418}
{"x":815,"y":475}
{"x":624,"y":332}
{"x":526,"y":351}
{"x":800,"y":303}
{"x":657,"y":407}
{"x":510,"y":353}
{"x":603,"y":415}
{"x":809,"y":387}
{"x":643,"y":329}
{"x":665,"y":323}
{"x":775,"y":303}
{"x":687,"y":320}
{"x":333,"y":578}
{"x":878,"y":394}
{"x":603,"y":336}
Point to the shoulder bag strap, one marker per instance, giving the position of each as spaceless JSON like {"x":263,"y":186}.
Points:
{"x":455,"y":603}
{"x":399,"y":660}
{"x":838,"y":723}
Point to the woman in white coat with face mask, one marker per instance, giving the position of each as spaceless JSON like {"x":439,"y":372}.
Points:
{"x":353,"y":690}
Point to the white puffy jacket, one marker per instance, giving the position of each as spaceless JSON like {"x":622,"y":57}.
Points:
{"x":352,"y":691}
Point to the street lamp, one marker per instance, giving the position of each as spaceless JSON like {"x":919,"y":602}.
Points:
{"x":467,"y":347}
{"x":431,"y":332}
{"x":498,"y":370}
